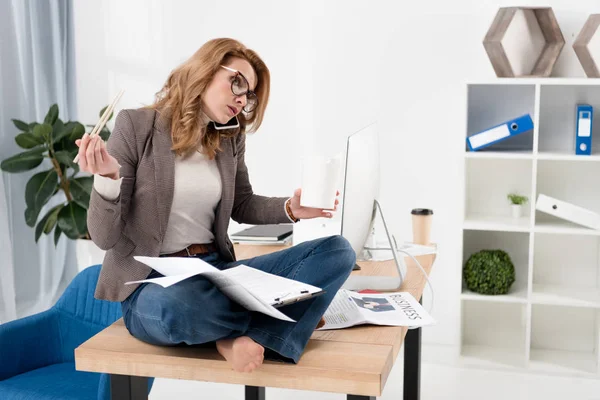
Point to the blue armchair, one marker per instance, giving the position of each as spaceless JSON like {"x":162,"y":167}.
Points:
{"x":37,"y":352}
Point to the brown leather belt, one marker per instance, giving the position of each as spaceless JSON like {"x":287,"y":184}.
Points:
{"x":194,"y":249}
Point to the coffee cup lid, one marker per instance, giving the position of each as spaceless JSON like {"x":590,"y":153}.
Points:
{"x":421,"y":211}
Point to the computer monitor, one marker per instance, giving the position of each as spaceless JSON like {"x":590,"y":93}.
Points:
{"x":360,"y":205}
{"x":361,"y":186}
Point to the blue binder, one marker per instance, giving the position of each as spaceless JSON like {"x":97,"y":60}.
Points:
{"x":500,"y":132}
{"x":583,"y":132}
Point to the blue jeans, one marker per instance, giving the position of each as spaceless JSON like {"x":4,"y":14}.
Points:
{"x":196,"y":312}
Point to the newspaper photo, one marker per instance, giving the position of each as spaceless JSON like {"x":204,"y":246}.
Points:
{"x":350,"y":308}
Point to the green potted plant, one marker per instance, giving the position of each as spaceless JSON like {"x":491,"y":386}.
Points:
{"x":489,"y":272}
{"x":517,"y":201}
{"x":54,"y":140}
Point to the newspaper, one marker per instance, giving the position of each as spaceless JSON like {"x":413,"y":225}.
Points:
{"x":350,"y":308}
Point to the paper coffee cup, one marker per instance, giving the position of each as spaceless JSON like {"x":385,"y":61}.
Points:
{"x":320,"y":177}
{"x":421,"y":225}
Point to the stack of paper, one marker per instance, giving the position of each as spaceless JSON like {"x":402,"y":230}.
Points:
{"x":253,"y":289}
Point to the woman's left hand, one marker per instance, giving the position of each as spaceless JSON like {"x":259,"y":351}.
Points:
{"x":310,"y":212}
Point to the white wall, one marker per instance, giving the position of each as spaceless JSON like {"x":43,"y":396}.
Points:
{"x":335,"y":66}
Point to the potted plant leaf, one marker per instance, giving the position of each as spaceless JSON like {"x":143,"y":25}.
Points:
{"x":517,"y":201}
{"x":54,"y":140}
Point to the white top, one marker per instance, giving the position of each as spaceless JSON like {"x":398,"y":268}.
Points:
{"x":196,"y":195}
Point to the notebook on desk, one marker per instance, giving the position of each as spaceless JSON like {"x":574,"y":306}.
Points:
{"x":263,"y":233}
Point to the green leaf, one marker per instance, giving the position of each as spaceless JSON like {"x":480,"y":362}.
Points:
{"x":66,"y":158}
{"x":81,"y":189}
{"x":77,"y":131}
{"x":28,"y":140}
{"x":31,"y":216}
{"x":57,"y":233}
{"x":43,"y":131}
{"x":48,"y":222}
{"x":72,"y":220}
{"x":40,"y":188}
{"x":52,"y":115}
{"x":59,"y":131}
{"x":23,"y":161}
{"x":489,"y":272}
{"x":22,"y":126}
{"x":102,"y":112}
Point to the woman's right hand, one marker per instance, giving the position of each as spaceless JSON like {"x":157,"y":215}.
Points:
{"x":94,"y":158}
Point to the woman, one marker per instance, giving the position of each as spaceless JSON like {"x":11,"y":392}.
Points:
{"x":166,"y":184}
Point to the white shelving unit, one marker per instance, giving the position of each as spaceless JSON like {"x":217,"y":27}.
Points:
{"x":550,"y":320}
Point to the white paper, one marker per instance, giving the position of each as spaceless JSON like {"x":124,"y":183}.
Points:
{"x":267,"y":286}
{"x":253,"y":289}
{"x":393,"y":309}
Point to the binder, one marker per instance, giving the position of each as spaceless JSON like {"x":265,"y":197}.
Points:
{"x":500,"y":132}
{"x":568,"y":211}
{"x":583,"y":133}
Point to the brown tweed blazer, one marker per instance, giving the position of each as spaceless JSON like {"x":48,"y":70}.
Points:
{"x":136,"y":222}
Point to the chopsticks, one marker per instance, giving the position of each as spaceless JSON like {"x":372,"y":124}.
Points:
{"x":100,"y":125}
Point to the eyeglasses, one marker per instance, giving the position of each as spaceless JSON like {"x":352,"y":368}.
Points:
{"x":241,"y":87}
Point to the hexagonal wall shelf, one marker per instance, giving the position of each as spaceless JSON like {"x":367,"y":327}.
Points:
{"x":587,"y":46}
{"x":524,"y":41}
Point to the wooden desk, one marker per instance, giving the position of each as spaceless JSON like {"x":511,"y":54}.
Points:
{"x":354,"y":361}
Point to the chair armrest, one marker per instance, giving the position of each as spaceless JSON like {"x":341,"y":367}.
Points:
{"x":29,"y":343}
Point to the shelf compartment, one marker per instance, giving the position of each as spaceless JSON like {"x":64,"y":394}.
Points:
{"x":482,"y":222}
{"x":553,"y":225}
{"x":564,"y":338}
{"x":554,"y":361}
{"x":557,"y":116}
{"x":485,"y":200}
{"x":570,"y":182}
{"x":490,"y":105}
{"x":516,"y":245}
{"x":564,"y":295}
{"x":493,"y":333}
{"x":565,"y":270}
{"x":517,"y":294}
{"x":501,"y":155}
{"x":566,"y":156}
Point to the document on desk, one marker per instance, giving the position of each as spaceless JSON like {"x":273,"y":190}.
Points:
{"x":393,"y":309}
{"x":253,"y":289}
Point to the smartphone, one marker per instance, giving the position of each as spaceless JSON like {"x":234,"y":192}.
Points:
{"x":231,"y":124}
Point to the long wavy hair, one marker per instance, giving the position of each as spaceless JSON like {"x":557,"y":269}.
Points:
{"x":180,"y":99}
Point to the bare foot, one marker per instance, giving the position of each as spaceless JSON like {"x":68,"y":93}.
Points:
{"x":243,"y":353}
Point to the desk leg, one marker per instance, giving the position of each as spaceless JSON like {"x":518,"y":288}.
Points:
{"x":355,"y":397}
{"x":255,"y":393}
{"x":412,"y":364}
{"x":123,"y":387}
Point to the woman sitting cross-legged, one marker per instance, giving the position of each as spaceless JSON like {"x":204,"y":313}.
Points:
{"x":168,"y":181}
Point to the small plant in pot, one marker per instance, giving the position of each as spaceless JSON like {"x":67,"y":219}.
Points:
{"x":489,"y":272}
{"x":517,"y":202}
{"x":54,"y":140}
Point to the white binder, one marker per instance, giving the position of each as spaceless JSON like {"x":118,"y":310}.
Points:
{"x":568,"y":211}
